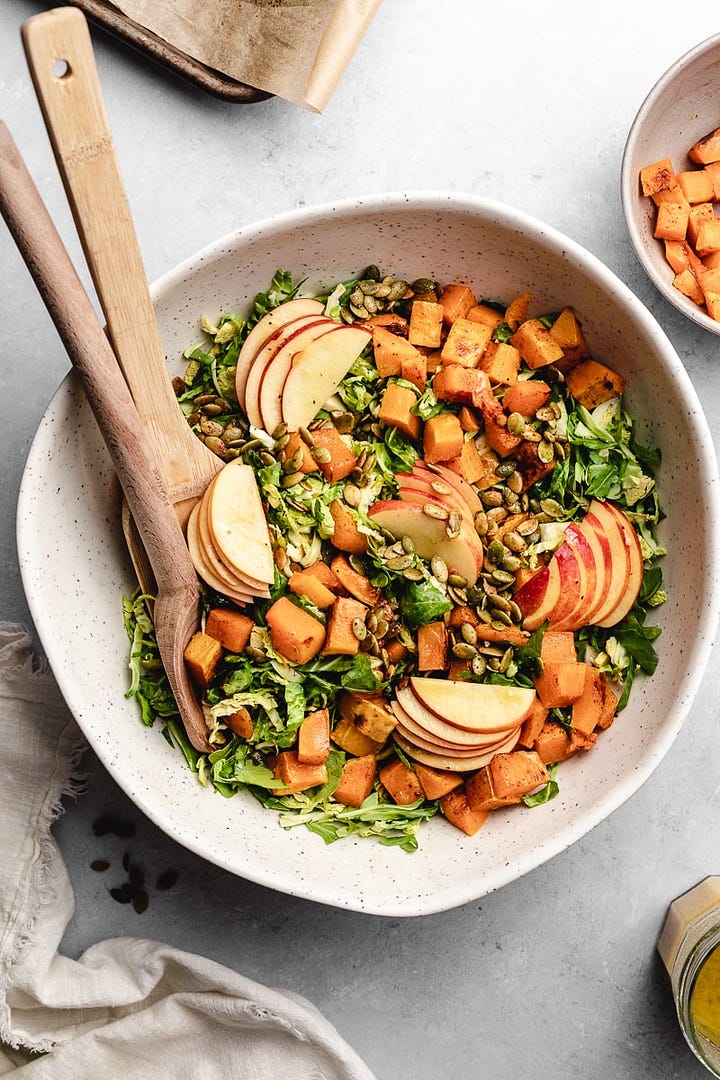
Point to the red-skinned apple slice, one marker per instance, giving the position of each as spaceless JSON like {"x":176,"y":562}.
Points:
{"x":572,"y":579}
{"x":288,"y":335}
{"x":237,"y":522}
{"x":401,"y":518}
{"x":465,"y":490}
{"x":602,"y":518}
{"x":421,"y":481}
{"x":474,"y":706}
{"x":454,"y":764}
{"x":317,"y":371}
{"x":600,"y":546}
{"x":430,"y":746}
{"x":264,"y":329}
{"x":268,"y":384}
{"x":635,"y":570}
{"x":539,"y":595}
{"x":242,"y":579}
{"x":584,"y":555}
{"x":421,"y":499}
{"x":415,"y":717}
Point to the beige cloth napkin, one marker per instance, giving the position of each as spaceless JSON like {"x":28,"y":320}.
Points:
{"x":297,"y":49}
{"x":127,"y":1008}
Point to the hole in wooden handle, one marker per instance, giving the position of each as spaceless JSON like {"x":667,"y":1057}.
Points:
{"x":61,"y":69}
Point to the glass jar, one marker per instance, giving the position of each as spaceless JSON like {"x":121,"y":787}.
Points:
{"x":689,"y":945}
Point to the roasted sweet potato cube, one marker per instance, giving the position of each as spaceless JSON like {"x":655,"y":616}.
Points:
{"x":313,"y":741}
{"x":202,"y":656}
{"x":713,"y":171}
{"x":295,"y":775}
{"x":240,"y":722}
{"x":397,"y":401}
{"x":567,"y":332}
{"x":517,"y":773}
{"x":481,"y":794}
{"x":529,"y":465}
{"x":708,"y":238}
{"x":231,"y":628}
{"x":526,"y":397}
{"x":686,"y":283}
{"x":609,"y":708}
{"x":696,"y":185}
{"x":390,"y":351}
{"x":499,"y":439}
{"x":483,"y":313}
{"x":463,"y":386}
{"x":392,"y":321}
{"x":472,"y":465}
{"x":355,"y":583}
{"x":552,"y":743}
{"x":371,"y":714}
{"x":558,"y":645}
{"x":342,"y":460}
{"x":466,"y":343}
{"x":517,"y":310}
{"x":560,"y":683}
{"x":347,"y":536}
{"x":297,"y":446}
{"x":414,"y":369}
{"x":456,"y":300}
{"x":357,"y":780}
{"x":697,"y":216}
{"x":401,"y":783}
{"x":426,"y":323}
{"x":458,"y":811}
{"x":432,"y":646}
{"x":707,"y":149}
{"x":442,"y":438}
{"x":680,"y":255}
{"x":349,"y":738}
{"x":671,"y":222}
{"x":340,"y":639}
{"x":436,"y":782}
{"x":533,"y":724}
{"x":501,"y":363}
{"x":536,"y":344}
{"x":323,"y":573}
{"x":302,"y":583}
{"x":468,"y":419}
{"x":294,"y":632}
{"x":591,"y":383}
{"x":657,"y":177}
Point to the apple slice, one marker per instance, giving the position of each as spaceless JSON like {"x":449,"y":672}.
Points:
{"x":237,"y":522}
{"x":635,"y":570}
{"x":273,"y":363}
{"x":286,"y":335}
{"x":317,"y":371}
{"x":429,"y":745}
{"x":413,"y":715}
{"x":204,"y":567}
{"x":264,"y":329}
{"x":601,"y":517}
{"x":538,"y":596}
{"x":428,"y":534}
{"x":584,"y":554}
{"x":241,"y":580}
{"x":423,"y":480}
{"x":450,"y":763}
{"x":600,"y":547}
{"x":447,"y":476}
{"x":572,"y":581}
{"x":474,"y":706}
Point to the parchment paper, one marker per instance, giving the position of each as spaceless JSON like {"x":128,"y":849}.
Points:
{"x":296,"y":49}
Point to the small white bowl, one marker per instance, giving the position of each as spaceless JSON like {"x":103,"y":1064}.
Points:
{"x":75,"y":568}
{"x":682,"y":107}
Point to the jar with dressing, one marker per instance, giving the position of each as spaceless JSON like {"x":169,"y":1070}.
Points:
{"x":689,"y":945}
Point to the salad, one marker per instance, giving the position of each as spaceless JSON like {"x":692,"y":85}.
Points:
{"x":429,"y":565}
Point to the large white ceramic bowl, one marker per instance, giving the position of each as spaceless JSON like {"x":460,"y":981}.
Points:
{"x":75,"y":569}
{"x":682,"y":107}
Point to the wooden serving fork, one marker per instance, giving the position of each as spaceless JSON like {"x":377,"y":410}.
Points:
{"x":177,"y":603}
{"x":62,"y":64}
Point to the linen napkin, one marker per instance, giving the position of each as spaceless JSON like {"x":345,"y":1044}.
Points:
{"x":296,"y":49}
{"x":127,"y":1007}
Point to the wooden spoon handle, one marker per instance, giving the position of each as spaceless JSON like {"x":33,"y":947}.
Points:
{"x":91,"y":354}
{"x":60,"y":56}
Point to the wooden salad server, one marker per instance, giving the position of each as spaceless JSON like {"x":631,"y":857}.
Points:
{"x":62,"y":64}
{"x":177,"y":603}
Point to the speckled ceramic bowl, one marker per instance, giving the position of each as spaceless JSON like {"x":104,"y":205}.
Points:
{"x":75,"y":569}
{"x":682,"y":107}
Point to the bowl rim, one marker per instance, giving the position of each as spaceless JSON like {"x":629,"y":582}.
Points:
{"x":628,"y":186}
{"x":622,"y":788}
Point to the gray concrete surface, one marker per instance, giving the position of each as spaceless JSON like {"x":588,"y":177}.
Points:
{"x":555,"y":974}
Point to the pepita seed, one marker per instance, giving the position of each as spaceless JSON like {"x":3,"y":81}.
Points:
{"x":321,"y":454}
{"x":439,"y":569}
{"x":469,"y":633}
{"x":545,"y":414}
{"x":360,"y":311}
{"x":423,"y":285}
{"x":281,"y":443}
{"x":214,"y":443}
{"x":475,"y":595}
{"x":279,"y":431}
{"x":371,"y":622}
{"x":440,"y":488}
{"x":457,"y":595}
{"x":501,"y":617}
{"x":251,"y":444}
{"x":516,"y":423}
{"x":530,"y":435}
{"x":500,"y":603}
{"x":515,"y":541}
{"x":502,"y":577}
{"x":359,"y":629}
{"x":382,"y":627}
{"x":432,"y":510}
{"x":545,"y":451}
{"x":213,"y":409}
{"x":398,"y":289}
{"x":407,"y":545}
{"x":477,"y":666}
{"x":266,"y":458}
{"x":370,"y":304}
{"x":211,"y":427}
{"x":511,"y":563}
{"x":505,"y":661}
{"x":291,"y":479}
{"x":292,"y":464}
{"x":504,"y":469}
{"x":464,"y":651}
{"x":515,"y":482}
{"x":453,"y":524}
{"x":306,"y":437}
{"x":492,"y":497}
{"x":495,"y":552}
{"x":481,"y":523}
{"x":368,"y":287}
{"x":526,"y":527}
{"x":344,"y":422}
{"x":371,"y":273}
{"x":352,"y":495}
{"x":457,"y":580}
{"x":399,"y":562}
{"x":413,"y":574}
{"x":552,"y":508}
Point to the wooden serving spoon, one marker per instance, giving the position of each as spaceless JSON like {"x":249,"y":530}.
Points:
{"x":62,"y":64}
{"x":177,"y":604}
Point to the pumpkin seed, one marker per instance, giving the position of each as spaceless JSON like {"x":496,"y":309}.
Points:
{"x":399,"y":562}
{"x":515,"y":482}
{"x":516,"y":423}
{"x":481,"y":523}
{"x":515,"y":541}
{"x":440,"y":488}
{"x":526,"y":527}
{"x":398,"y":290}
{"x":439,"y":569}
{"x":371,"y":273}
{"x":211,"y":427}
{"x":413,"y":574}
{"x":502,"y":577}
{"x":306,"y":437}
{"x":266,"y":458}
{"x":504,"y":469}
{"x":321,"y":454}
{"x":457,"y":595}
{"x":291,"y":479}
{"x":292,"y":464}
{"x":280,"y":431}
{"x":478,"y":665}
{"x":505,"y":661}
{"x":214,"y":443}
{"x":359,"y":629}
{"x":545,"y":451}
{"x":368,"y":287}
{"x":545,"y":414}
{"x":492,"y":497}
{"x":511,"y":563}
{"x":457,"y":580}
{"x":453,"y":525}
{"x":552,"y":508}
{"x":281,"y":443}
{"x":352,"y":495}
{"x":464,"y":651}
{"x":407,"y":545}
{"x":251,"y":444}
{"x":344,"y":422}
{"x":432,"y":510}
{"x":469,"y":633}
{"x":495,"y":552}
